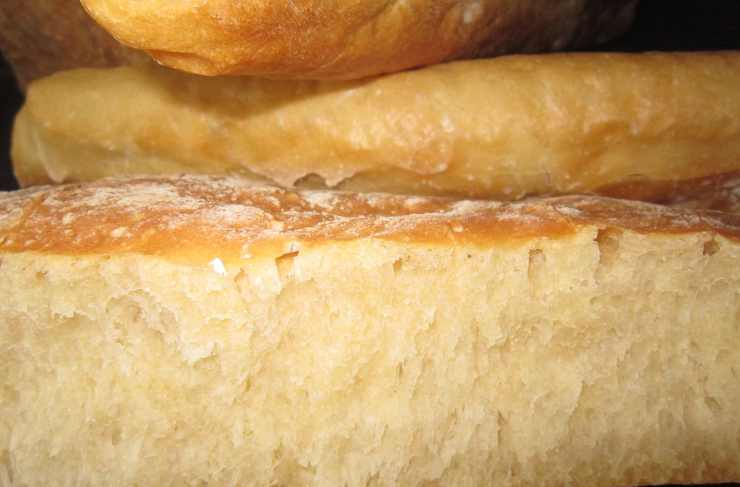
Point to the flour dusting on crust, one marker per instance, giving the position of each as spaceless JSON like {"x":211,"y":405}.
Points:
{"x":168,"y":215}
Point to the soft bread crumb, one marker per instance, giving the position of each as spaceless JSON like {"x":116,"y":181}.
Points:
{"x":593,"y":359}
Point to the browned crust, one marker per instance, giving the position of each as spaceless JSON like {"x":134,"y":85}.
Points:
{"x":347,"y":39}
{"x":193,"y":217}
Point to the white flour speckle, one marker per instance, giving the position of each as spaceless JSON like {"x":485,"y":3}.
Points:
{"x":218,"y":266}
{"x":119,"y":232}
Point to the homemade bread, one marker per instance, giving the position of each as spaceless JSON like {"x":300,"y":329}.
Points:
{"x":347,"y":39}
{"x":41,"y":37}
{"x":201,"y":331}
{"x":624,"y":125}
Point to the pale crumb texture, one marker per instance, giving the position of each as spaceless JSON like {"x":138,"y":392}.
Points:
{"x":596,"y":357}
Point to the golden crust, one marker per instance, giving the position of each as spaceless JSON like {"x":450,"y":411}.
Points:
{"x":190,"y":217}
{"x":349,"y":39}
{"x":41,"y":37}
{"x":634,"y":126}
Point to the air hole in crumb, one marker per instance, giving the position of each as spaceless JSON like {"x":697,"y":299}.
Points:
{"x":713,"y":404}
{"x":285,"y":264}
{"x":115,"y":436}
{"x":397,"y":266}
{"x":311,"y":181}
{"x":536,"y":260}
{"x":711,"y":247}
{"x":5,"y":460}
{"x":241,"y":281}
{"x":41,"y":275}
{"x":535,"y":268}
{"x":608,"y":241}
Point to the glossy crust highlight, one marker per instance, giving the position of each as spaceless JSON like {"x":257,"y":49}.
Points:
{"x":349,"y":39}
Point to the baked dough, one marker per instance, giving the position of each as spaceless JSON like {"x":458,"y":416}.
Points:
{"x":203,"y":331}
{"x":634,"y":126}
{"x":41,"y":37}
{"x":348,"y":39}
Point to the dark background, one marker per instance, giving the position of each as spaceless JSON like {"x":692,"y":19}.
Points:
{"x":660,"y":25}
{"x":10,"y":102}
{"x":668,"y":25}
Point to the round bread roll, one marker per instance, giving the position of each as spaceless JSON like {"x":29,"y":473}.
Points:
{"x":205,"y":331}
{"x":639,"y":126}
{"x":347,"y":39}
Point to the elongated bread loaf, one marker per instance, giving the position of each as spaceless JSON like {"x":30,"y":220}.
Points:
{"x":635,"y":126}
{"x":41,"y":37}
{"x":348,"y":39}
{"x":203,"y":331}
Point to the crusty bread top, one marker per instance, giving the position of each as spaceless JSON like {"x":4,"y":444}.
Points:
{"x":346,"y":39}
{"x":195,"y":217}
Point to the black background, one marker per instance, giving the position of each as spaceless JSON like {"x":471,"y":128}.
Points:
{"x":10,"y":102}
{"x":660,"y":25}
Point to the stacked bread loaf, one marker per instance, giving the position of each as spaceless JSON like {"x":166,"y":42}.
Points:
{"x":350,"y":257}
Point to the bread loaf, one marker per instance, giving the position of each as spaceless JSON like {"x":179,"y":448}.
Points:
{"x":346,"y":39}
{"x":203,"y":331}
{"x":41,"y":37}
{"x":625,"y":125}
